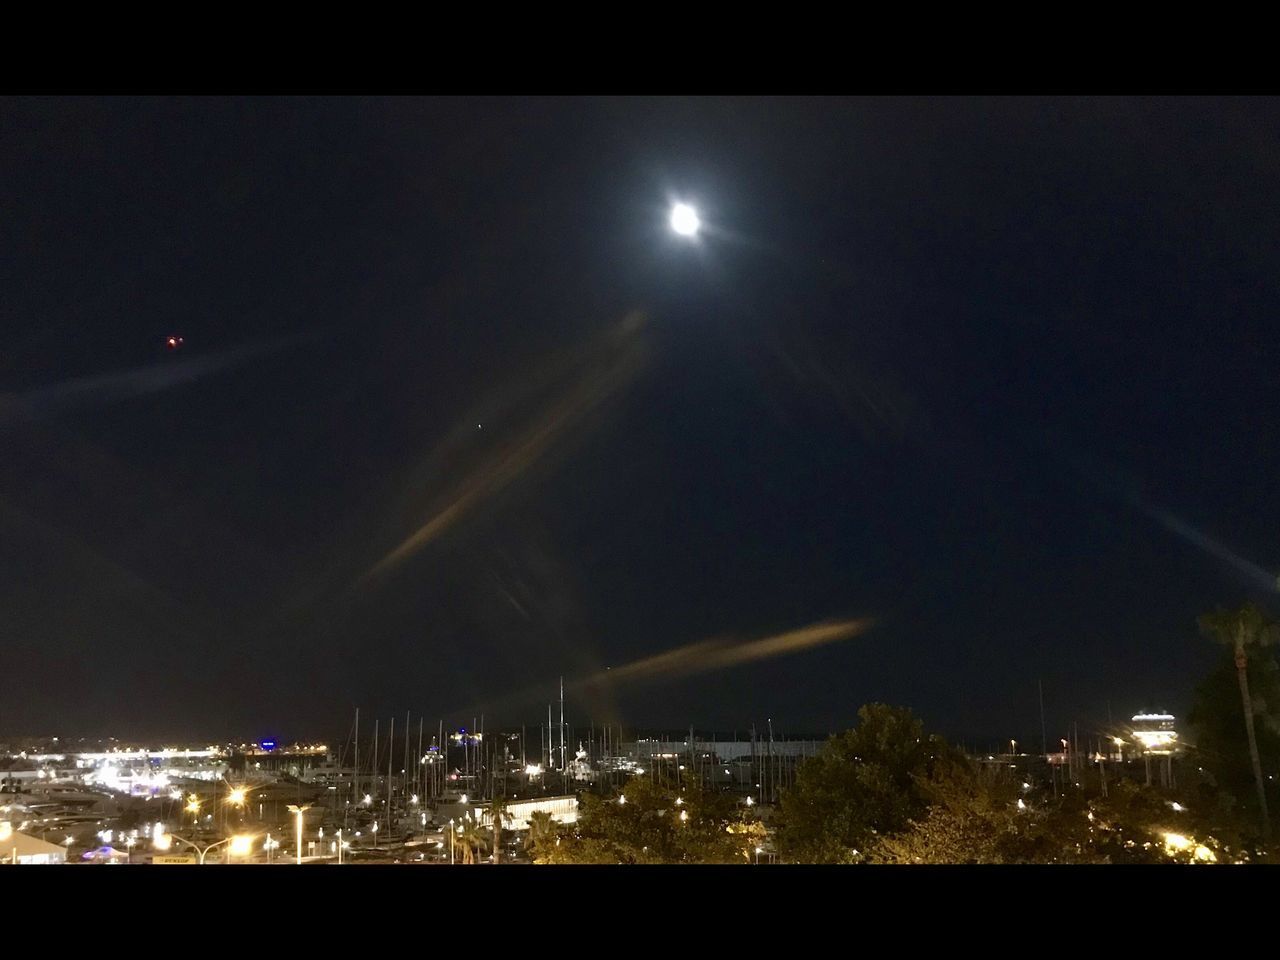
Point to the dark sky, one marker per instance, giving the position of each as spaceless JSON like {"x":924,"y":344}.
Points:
{"x":1000,"y":373}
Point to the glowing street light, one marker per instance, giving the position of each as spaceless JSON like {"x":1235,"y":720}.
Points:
{"x":684,"y":220}
{"x":299,"y":811}
{"x":240,"y":845}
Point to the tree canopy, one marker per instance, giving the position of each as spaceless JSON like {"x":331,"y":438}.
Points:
{"x":863,"y":784}
{"x":647,"y":822}
{"x":1217,"y":724}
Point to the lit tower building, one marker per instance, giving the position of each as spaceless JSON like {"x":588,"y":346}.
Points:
{"x":1155,"y":735}
{"x":1154,"y":732}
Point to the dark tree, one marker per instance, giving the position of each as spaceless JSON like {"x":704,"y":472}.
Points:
{"x":1246,"y":632}
{"x":864,"y":784}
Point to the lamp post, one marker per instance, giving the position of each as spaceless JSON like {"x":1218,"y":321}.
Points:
{"x":236,"y":797}
{"x":299,"y":811}
{"x":240,"y":845}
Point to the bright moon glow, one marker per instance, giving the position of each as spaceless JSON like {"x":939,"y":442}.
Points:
{"x":684,"y":220}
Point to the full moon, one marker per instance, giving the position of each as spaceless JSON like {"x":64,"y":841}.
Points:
{"x":684,"y":220}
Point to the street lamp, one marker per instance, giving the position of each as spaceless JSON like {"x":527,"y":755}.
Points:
{"x":299,"y":811}
{"x":236,"y":797}
{"x":240,"y":845}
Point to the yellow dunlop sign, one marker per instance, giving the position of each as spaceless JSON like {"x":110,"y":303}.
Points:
{"x":174,"y":859}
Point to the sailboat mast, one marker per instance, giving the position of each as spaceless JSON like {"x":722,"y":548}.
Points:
{"x":419,"y":776}
{"x":391,"y":746}
{"x":374,"y":768}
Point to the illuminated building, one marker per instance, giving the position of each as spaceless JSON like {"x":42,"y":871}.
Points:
{"x":561,"y":809}
{"x":1155,"y":733}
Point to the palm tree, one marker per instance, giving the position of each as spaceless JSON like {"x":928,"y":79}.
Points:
{"x":471,"y":838}
{"x":542,"y":832}
{"x":498,"y":811}
{"x":1241,"y":629}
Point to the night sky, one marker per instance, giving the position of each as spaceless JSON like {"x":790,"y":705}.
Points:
{"x":999,"y":373}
